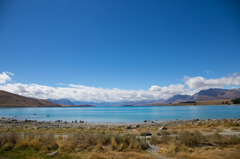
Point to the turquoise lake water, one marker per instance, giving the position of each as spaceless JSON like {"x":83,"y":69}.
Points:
{"x":134,"y":114}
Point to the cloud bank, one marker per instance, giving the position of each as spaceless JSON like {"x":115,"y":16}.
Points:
{"x":94,"y":94}
{"x":203,"y":83}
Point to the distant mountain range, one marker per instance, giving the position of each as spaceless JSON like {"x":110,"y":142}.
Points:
{"x":62,"y":101}
{"x":116,"y":103}
{"x":13,"y":100}
{"x":203,"y":95}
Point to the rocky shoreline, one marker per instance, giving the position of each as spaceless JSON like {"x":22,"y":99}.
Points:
{"x":33,"y":124}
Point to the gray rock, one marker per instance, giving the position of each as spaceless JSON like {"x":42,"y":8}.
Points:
{"x":129,"y":127}
{"x":198,"y":124}
{"x":162,"y":128}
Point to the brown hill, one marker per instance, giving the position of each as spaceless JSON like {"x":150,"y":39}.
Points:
{"x":13,"y":100}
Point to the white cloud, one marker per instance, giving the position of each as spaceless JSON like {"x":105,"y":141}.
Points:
{"x":4,"y":78}
{"x":208,"y":71}
{"x":10,"y":73}
{"x":59,"y":83}
{"x":93,"y":94}
{"x":234,"y":74}
{"x":203,"y":83}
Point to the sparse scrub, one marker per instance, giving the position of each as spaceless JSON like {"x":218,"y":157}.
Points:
{"x":191,"y":138}
{"x":223,"y":140}
{"x":85,"y":143}
{"x":10,"y":138}
{"x":165,"y":132}
{"x":174,"y":132}
{"x":155,"y":140}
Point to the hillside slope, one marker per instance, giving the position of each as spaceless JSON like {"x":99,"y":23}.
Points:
{"x":13,"y":100}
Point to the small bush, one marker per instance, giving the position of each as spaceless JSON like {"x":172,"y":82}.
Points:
{"x":142,"y":144}
{"x":10,"y":138}
{"x":190,"y":139}
{"x":155,"y":140}
{"x":165,"y":132}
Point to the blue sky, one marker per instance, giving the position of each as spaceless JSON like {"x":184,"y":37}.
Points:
{"x":129,"y":45}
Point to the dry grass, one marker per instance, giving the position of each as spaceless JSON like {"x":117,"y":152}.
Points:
{"x":120,"y":155}
{"x":195,"y":145}
{"x":78,"y":142}
{"x":121,"y":143}
{"x":191,"y":138}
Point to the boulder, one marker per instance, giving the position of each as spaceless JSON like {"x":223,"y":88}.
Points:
{"x":162,"y":128}
{"x":129,"y":127}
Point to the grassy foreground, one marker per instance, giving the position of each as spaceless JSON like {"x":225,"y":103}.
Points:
{"x":178,"y":141}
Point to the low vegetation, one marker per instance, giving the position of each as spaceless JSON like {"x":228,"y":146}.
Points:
{"x":16,"y":145}
{"x":178,"y":141}
{"x":236,"y":101}
{"x":195,"y":145}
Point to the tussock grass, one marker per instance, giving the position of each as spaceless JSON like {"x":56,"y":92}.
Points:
{"x":10,"y":138}
{"x":223,"y":140}
{"x":41,"y":144}
{"x":23,"y":141}
{"x":191,"y":138}
{"x":155,"y":140}
{"x":121,"y":143}
{"x":195,"y":145}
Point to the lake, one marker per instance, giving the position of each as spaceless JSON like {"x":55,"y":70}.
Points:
{"x":131,"y":114}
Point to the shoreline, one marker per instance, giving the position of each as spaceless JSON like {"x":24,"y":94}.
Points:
{"x":34,"y":124}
